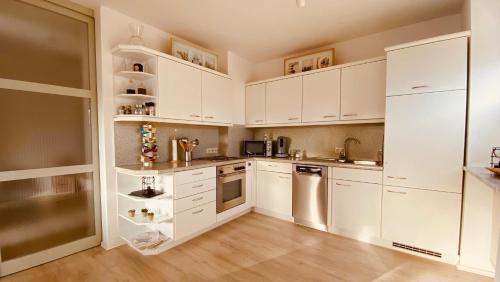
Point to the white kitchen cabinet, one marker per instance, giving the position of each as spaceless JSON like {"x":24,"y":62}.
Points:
{"x":356,"y":208}
{"x":255,"y":104}
{"x":274,"y":193}
{"x":179,"y":91}
{"x":437,"y":66}
{"x":216,"y":94}
{"x":193,"y":220}
{"x":321,"y":96}
{"x":429,"y":220}
{"x":363,"y":91}
{"x":284,"y":101}
{"x":424,"y":141}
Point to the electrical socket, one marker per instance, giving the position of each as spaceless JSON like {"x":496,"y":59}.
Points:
{"x":212,"y":150}
{"x":339,"y":150}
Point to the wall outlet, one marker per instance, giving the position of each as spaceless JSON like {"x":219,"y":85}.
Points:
{"x":339,"y":150}
{"x":212,"y":150}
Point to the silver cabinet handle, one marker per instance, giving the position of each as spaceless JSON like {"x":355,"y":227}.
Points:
{"x":197,"y":173}
{"x":340,"y":184}
{"x":350,"y":115}
{"x":329,"y":116}
{"x":259,"y":120}
{"x":198,"y":186}
{"x":283,"y":177}
{"x":269,"y":165}
{"x":419,"y":86}
{"x":197,"y":212}
{"x":209,"y":117}
{"x":293,"y":118}
{"x":396,"y":192}
{"x":196,"y":116}
{"x":197,"y":199}
{"x":396,"y":177}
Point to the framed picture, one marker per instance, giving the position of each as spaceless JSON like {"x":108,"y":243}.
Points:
{"x":192,"y":53}
{"x":309,"y":61}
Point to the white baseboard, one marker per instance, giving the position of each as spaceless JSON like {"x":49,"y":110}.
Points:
{"x":273,"y":214}
{"x":476,"y":270}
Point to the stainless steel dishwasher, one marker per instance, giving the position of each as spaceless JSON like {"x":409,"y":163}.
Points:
{"x":310,"y":196}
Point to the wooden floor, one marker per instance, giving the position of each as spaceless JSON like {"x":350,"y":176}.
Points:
{"x":251,"y":248}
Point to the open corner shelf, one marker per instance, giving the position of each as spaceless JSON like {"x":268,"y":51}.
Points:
{"x":135,"y":75}
{"x":141,"y":220}
{"x":163,"y":196}
{"x":134,"y":52}
{"x":150,"y":252}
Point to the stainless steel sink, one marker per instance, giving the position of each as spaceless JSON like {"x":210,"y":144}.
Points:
{"x":354,"y":162}
{"x":363,"y":162}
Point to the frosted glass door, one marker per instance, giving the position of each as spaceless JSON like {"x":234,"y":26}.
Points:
{"x":49,"y":185}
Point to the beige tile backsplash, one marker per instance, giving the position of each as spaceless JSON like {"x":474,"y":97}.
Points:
{"x":322,"y":140}
{"x":315,"y":140}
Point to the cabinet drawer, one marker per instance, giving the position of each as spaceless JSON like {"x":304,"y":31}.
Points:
{"x":189,"y":189}
{"x":274,"y":167}
{"x":194,"y":201}
{"x":433,"y":67}
{"x":360,"y":175}
{"x":194,"y":175}
{"x":420,"y":218}
{"x":193,"y":220}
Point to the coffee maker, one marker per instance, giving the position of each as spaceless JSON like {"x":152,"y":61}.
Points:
{"x":281,"y":147}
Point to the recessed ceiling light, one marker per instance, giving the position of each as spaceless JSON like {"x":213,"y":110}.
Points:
{"x":301,"y":3}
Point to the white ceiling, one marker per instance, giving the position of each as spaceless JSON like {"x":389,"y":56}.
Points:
{"x":264,"y":29}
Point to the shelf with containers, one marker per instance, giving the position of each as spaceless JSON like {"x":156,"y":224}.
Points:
{"x":135,"y":81}
{"x":149,"y":234}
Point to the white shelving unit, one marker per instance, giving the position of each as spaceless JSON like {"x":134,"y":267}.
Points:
{"x":162,"y":206}
{"x":125,"y":78}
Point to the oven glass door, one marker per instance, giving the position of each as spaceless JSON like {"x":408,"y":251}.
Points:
{"x":231,"y":191}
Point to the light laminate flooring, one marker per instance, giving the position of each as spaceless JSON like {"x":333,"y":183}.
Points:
{"x":253,"y":247}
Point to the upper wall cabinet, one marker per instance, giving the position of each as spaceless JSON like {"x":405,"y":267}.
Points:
{"x":321,"y":96}
{"x":432,"y":67}
{"x":255,"y":104}
{"x":363,"y":91}
{"x":215,"y":95}
{"x":284,"y":100}
{"x":179,"y":91}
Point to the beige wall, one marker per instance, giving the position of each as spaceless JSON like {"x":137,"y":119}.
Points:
{"x":371,"y":46}
{"x":322,"y":140}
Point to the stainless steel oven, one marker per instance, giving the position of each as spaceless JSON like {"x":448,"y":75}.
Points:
{"x":231,"y":190}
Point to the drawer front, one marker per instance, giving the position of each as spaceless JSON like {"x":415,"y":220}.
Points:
{"x":189,"y":189}
{"x":438,"y":66}
{"x":193,"y":220}
{"x":360,"y":175}
{"x":194,"y":175}
{"x":420,"y":218}
{"x":274,"y":167}
{"x":194,"y":201}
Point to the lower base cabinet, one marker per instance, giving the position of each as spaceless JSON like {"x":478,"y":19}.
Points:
{"x":193,"y":220}
{"x":356,"y":208}
{"x":274,"y":192}
{"x":424,"y":219}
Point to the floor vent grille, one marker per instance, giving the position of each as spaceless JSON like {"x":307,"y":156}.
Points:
{"x":415,"y":249}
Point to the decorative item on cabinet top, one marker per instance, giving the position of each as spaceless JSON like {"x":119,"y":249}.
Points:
{"x":192,"y":53}
{"x":309,"y":61}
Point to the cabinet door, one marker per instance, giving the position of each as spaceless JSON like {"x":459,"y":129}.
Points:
{"x":284,"y":100}
{"x":321,"y":96}
{"x":424,"y":141}
{"x":216,"y":98}
{"x":363,"y":91}
{"x":438,"y":66}
{"x":250,"y":182}
{"x":255,"y":104}
{"x":179,"y":90}
{"x":274,"y":192}
{"x":424,"y":219}
{"x":356,"y":208}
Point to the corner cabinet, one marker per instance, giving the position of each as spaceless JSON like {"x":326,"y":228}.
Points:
{"x":179,"y":91}
{"x":284,"y":100}
{"x":215,"y":95}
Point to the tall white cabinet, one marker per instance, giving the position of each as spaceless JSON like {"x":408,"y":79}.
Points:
{"x":424,"y":145}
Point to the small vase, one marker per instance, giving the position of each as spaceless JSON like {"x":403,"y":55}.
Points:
{"x":136,"y":34}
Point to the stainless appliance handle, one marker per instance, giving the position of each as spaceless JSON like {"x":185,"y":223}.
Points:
{"x":308,"y":173}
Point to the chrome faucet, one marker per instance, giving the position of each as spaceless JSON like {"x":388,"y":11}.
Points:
{"x":347,"y":141}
